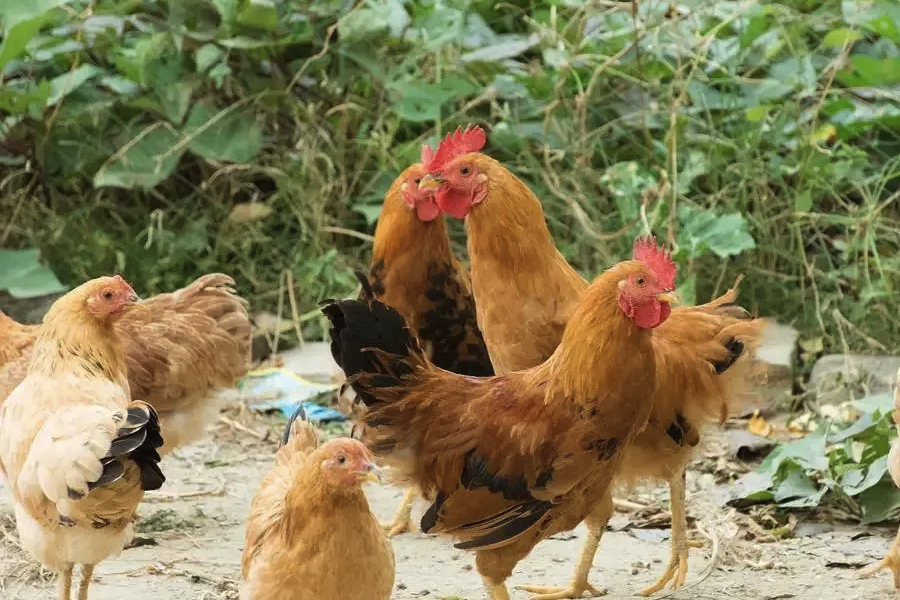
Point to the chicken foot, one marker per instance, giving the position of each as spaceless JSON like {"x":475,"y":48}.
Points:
{"x":890,"y":561}
{"x":87,"y":573}
{"x":596,"y":523}
{"x":65,"y":583}
{"x":676,"y":572}
{"x":402,"y":522}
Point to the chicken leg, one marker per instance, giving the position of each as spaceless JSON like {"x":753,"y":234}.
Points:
{"x":403,"y":519}
{"x":678,"y":561}
{"x":87,"y":573}
{"x":890,"y":561}
{"x":596,"y":523}
{"x":65,"y":583}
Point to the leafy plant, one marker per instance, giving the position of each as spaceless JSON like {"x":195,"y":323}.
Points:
{"x":760,"y":136}
{"x":845,"y":466}
{"x":23,"y":276}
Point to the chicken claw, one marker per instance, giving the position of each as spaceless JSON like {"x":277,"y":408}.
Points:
{"x":402,"y":522}
{"x":576,"y":589}
{"x":890,"y":561}
{"x":676,"y":572}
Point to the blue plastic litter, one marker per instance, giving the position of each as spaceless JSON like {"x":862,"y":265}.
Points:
{"x":292,"y":391}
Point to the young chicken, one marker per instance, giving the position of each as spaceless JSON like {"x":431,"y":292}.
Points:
{"x":414,"y":271}
{"x":76,"y":451}
{"x":891,"y":560}
{"x":513,"y":254}
{"x":310,"y":533}
{"x":179,"y":350}
{"x":513,"y":459}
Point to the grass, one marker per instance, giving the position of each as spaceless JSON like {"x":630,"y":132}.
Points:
{"x":759,"y":137}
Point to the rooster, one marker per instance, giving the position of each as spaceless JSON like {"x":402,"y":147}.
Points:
{"x":77,"y":452}
{"x":513,"y":254}
{"x":179,"y":349}
{"x":414,"y":271}
{"x":510,"y":460}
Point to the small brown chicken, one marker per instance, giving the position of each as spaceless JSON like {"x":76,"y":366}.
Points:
{"x":179,"y":349}
{"x":891,"y":560}
{"x":414,"y":271}
{"x":76,"y":451}
{"x":310,"y":533}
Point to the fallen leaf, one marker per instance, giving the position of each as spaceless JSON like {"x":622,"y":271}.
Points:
{"x":757,"y":425}
{"x":247,"y":212}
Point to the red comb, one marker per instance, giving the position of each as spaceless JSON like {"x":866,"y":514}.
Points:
{"x":656,"y":259}
{"x":455,"y":145}
{"x":426,"y":155}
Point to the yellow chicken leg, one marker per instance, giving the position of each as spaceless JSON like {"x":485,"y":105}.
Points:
{"x":402,"y":522}
{"x":65,"y":583}
{"x":890,"y":561}
{"x":496,"y":591}
{"x":676,"y":572}
{"x":596,"y":523}
{"x":87,"y":572}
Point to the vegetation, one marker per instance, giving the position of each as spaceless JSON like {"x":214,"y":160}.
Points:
{"x":165,"y":138}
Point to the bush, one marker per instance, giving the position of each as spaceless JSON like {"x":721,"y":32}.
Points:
{"x":257,"y":137}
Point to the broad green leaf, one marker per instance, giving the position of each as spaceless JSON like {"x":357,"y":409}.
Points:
{"x":16,"y":38}
{"x":702,"y":230}
{"x":803,"y":201}
{"x":374,"y":20}
{"x":230,"y":135}
{"x":870,"y":71}
{"x":207,"y":56}
{"x":507,"y":46}
{"x":879,"y":503}
{"x":228,"y":9}
{"x":371,"y":212}
{"x":260,"y":14}
{"x":418,"y":102}
{"x":838,"y":37}
{"x":31,"y":99}
{"x":23,"y":275}
{"x":65,"y":84}
{"x":144,"y":161}
{"x":858,"y":484}
{"x":175,"y":99}
{"x":796,"y":485}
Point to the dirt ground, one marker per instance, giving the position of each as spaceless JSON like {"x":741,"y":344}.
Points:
{"x":197,"y":525}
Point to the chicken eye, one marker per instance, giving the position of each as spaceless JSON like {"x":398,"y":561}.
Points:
{"x":465,"y":170}
{"x":107,"y":295}
{"x":418,"y":180}
{"x":640,"y":281}
{"x":342,"y":459}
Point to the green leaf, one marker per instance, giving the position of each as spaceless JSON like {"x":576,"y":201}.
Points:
{"x":371,"y":212}
{"x":879,"y":503}
{"x":23,"y":275}
{"x":508,"y":46}
{"x":803,"y":201}
{"x":838,"y":37}
{"x":375,"y":20}
{"x":702,"y":230}
{"x":797,"y":485}
{"x":65,"y":84}
{"x":142,"y":162}
{"x":864,"y":71}
{"x":857,"y":483}
{"x":229,"y":135}
{"x":418,"y":102}
{"x":207,"y":56}
{"x":260,"y":14}
{"x":228,"y":9}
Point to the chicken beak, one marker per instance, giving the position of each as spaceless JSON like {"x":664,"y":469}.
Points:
{"x":371,"y":474}
{"x":430,"y":182}
{"x":668,"y":298}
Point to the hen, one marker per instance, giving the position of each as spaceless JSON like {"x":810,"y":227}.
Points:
{"x":513,"y":254}
{"x":179,"y":349}
{"x":310,"y":533}
{"x":891,"y":560}
{"x":414,"y":271}
{"x":510,"y":460}
{"x":76,"y":451}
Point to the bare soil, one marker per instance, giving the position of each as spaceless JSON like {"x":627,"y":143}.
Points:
{"x":196,"y":526}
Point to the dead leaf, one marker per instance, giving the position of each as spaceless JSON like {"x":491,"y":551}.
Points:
{"x":757,"y":425}
{"x":247,"y":212}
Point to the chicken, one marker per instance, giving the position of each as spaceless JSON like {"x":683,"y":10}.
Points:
{"x":891,"y":560}
{"x":510,"y":460}
{"x":179,"y":349}
{"x":414,"y":271}
{"x":310,"y":533}
{"x":77,"y":452}
{"x":513,"y":255}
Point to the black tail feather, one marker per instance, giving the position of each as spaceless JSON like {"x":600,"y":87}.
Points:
{"x":358,"y":330}
{"x":300,"y":413}
{"x":367,"y":292}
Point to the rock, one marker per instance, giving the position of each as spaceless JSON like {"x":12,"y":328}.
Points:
{"x":312,"y":359}
{"x":778,"y":344}
{"x":840,"y":374}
